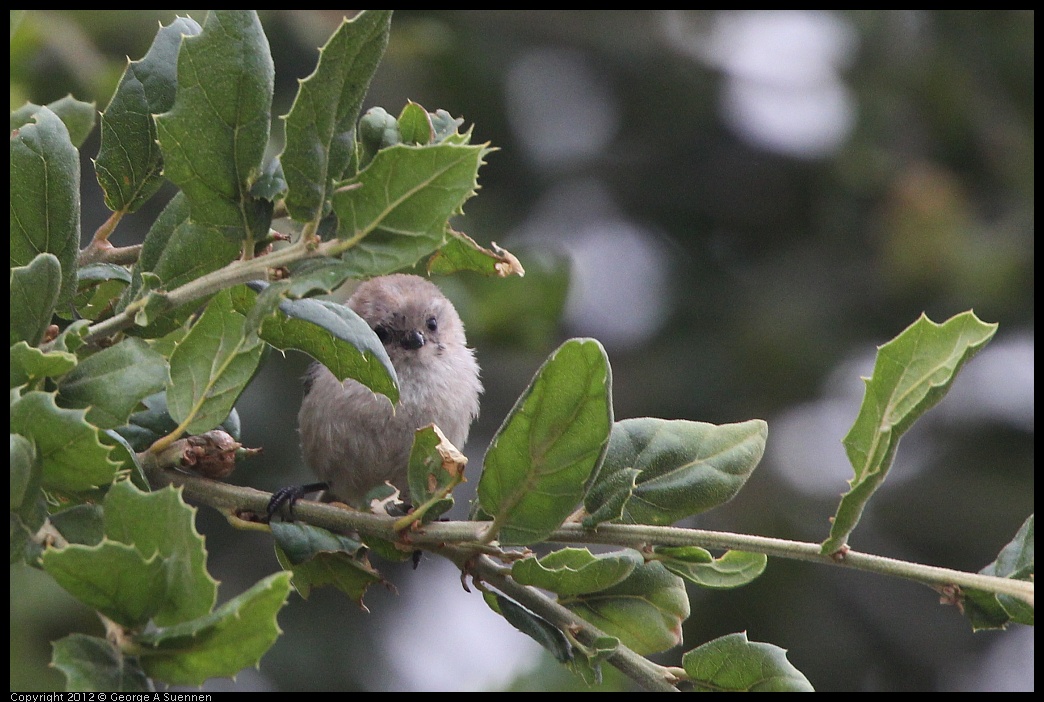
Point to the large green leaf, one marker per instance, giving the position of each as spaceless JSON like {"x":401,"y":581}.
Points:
{"x":129,"y":160}
{"x":211,"y":366}
{"x":320,"y":127}
{"x":645,"y":611}
{"x":34,"y":293}
{"x":72,"y":457}
{"x":913,"y":372}
{"x":214,"y":137}
{"x":734,"y":664}
{"x":219,"y":644}
{"x":160,"y":522}
{"x":658,"y":471}
{"x":111,"y":383}
{"x":45,"y":196}
{"x":111,"y":577}
{"x":397,"y":208}
{"x":552,"y":440}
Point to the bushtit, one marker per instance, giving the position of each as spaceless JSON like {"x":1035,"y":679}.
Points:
{"x":354,"y":439}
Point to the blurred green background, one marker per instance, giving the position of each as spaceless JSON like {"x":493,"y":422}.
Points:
{"x":740,"y":205}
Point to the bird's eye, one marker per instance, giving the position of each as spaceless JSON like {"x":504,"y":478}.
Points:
{"x":382,"y":333}
{"x":432,"y":323}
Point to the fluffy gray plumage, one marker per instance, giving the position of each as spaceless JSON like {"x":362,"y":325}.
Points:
{"x":354,"y":439}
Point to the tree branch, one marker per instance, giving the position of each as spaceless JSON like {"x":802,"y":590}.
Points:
{"x":438,"y":534}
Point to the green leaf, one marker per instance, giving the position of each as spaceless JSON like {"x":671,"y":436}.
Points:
{"x":28,"y":506}
{"x":550,"y":443}
{"x":166,"y":344}
{"x":98,"y":286}
{"x":377,"y":130}
{"x":129,"y":162}
{"x":29,"y":364}
{"x":731,"y":663}
{"x":177,"y":251}
{"x":34,"y":293}
{"x":81,"y":524}
{"x":608,"y":496}
{"x":732,"y":569}
{"x":271,"y":185}
{"x":72,"y":337}
{"x":587,"y":663}
{"x":122,"y":453}
{"x":576,"y":571}
{"x":94,"y":272}
{"x":986,"y":610}
{"x":337,"y":337}
{"x":462,"y":253}
{"x":25,"y":471}
{"x":45,"y":196}
{"x":415,"y":125}
{"x":111,"y":383}
{"x":320,"y":126}
{"x":436,"y":467}
{"x":645,"y":611}
{"x":317,"y":276}
{"x":93,"y":664}
{"x":159,"y":237}
{"x":222,"y":643}
{"x":352,"y":576}
{"x":318,"y":557}
{"x":154,"y":421}
{"x":161,"y":522}
{"x":211,"y":366}
{"x":302,"y":542}
{"x":535,"y":627}
{"x":214,"y":137}
{"x":111,"y":577}
{"x":77,"y":116}
{"x":913,"y":372}
{"x":684,"y":468}
{"x":396,"y":209}
{"x":72,"y":457}
{"x":143,"y":281}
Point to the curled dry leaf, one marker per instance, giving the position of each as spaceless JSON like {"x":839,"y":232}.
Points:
{"x":453,"y":461}
{"x":211,"y":454}
{"x":508,"y":264}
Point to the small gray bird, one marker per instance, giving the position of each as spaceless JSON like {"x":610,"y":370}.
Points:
{"x":354,"y":439}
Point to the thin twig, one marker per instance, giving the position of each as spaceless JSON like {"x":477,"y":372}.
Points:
{"x":437,"y":534}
